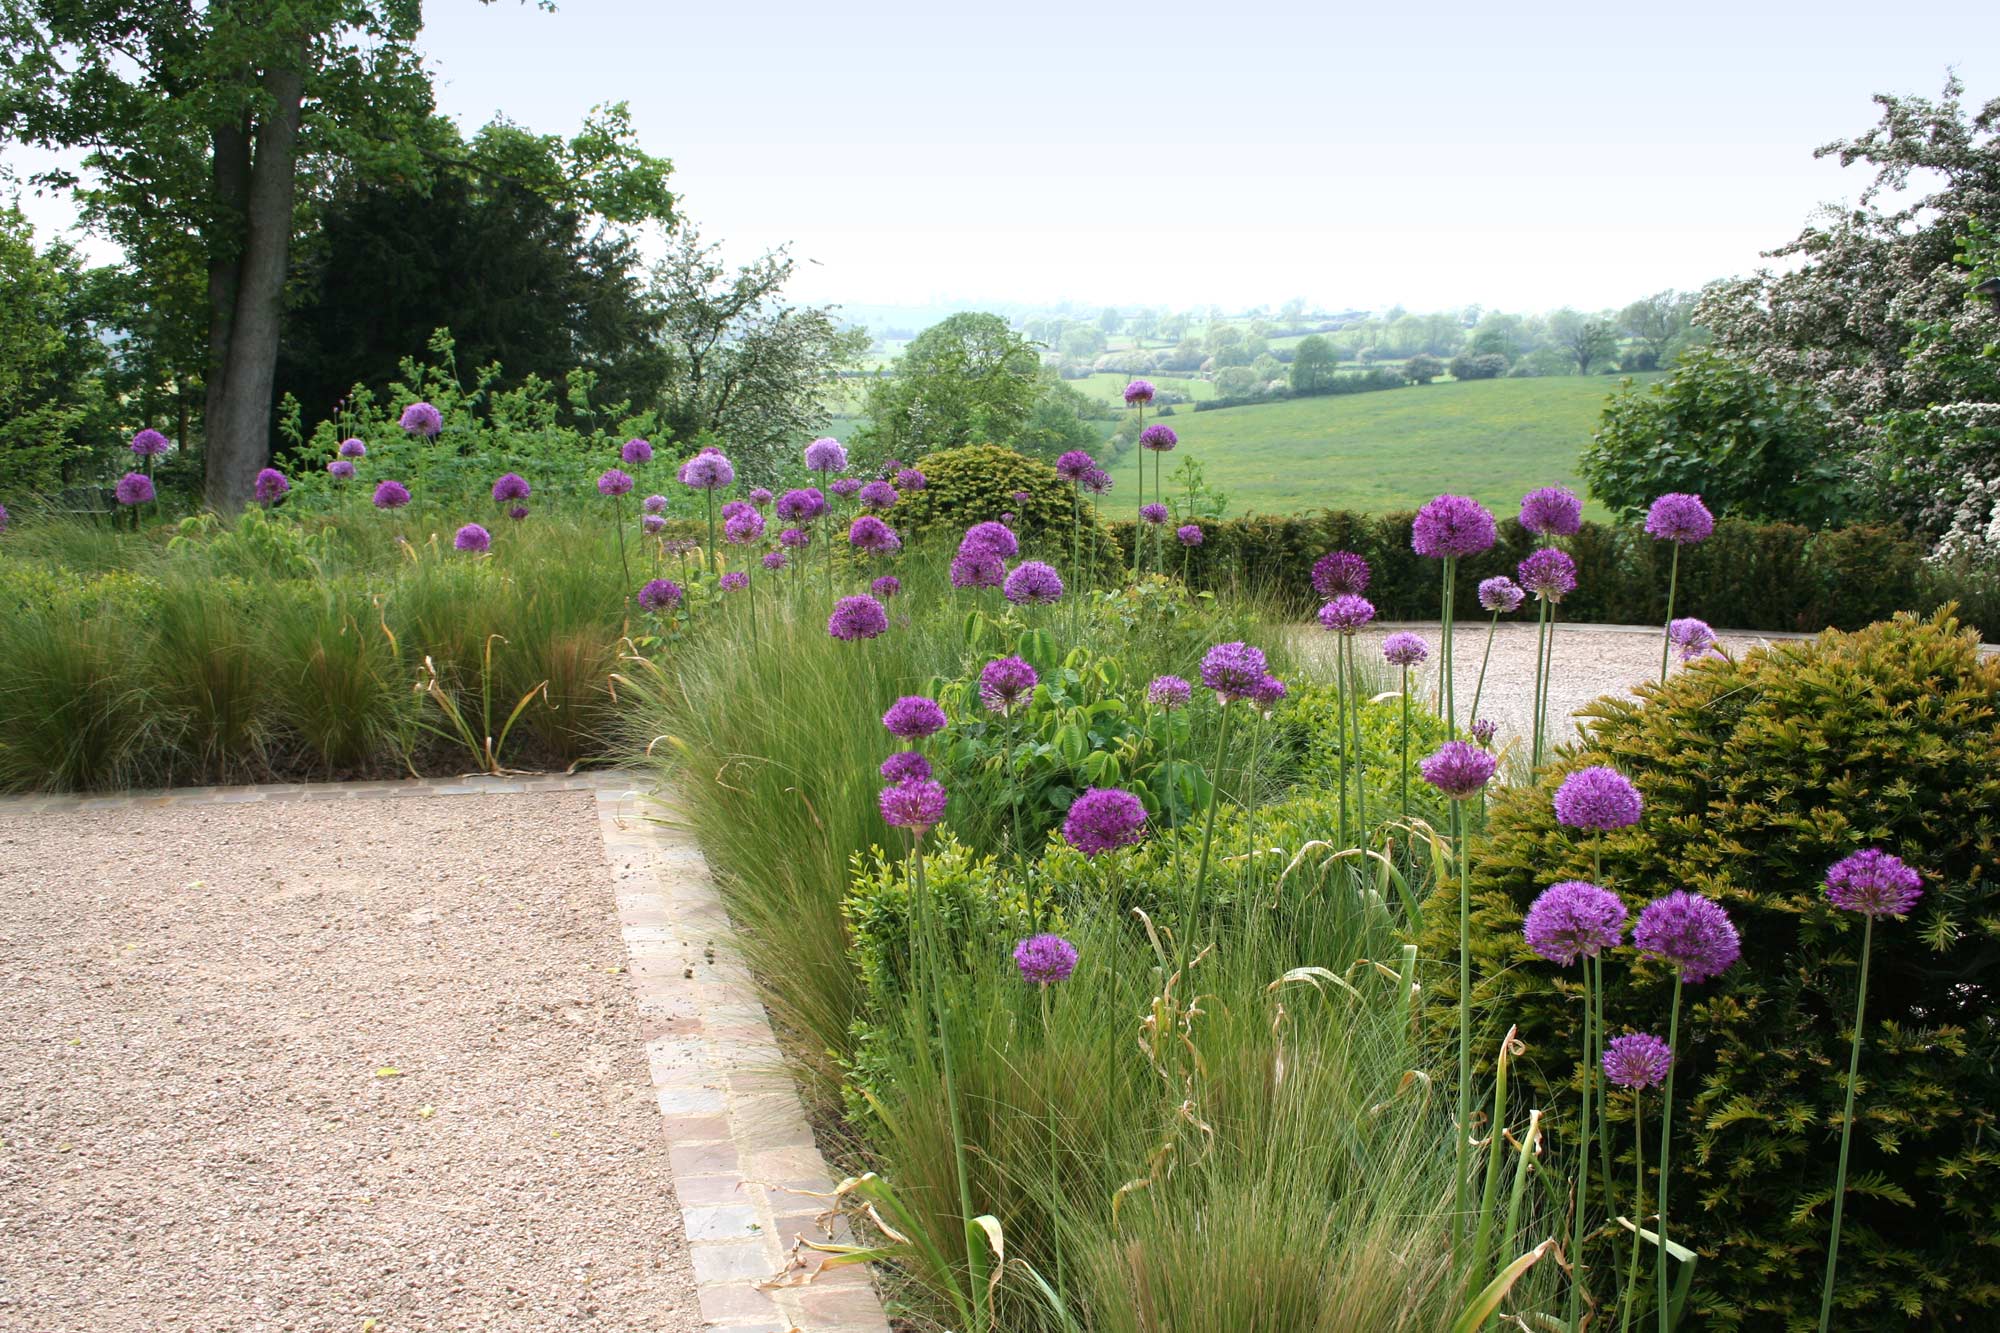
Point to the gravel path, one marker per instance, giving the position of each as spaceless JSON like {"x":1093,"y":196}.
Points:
{"x":292,"y":1066}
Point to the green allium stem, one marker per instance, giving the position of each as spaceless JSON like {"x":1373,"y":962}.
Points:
{"x":1464,"y":1123}
{"x":1207,"y":833}
{"x":1666,"y":1147}
{"x":1360,"y":759}
{"x":1445,"y":647}
{"x":1406,"y":742}
{"x":1541,"y":647}
{"x":1346,"y":742}
{"x":1846,"y":1132}
{"x":1576,"y":1279}
{"x":618,"y":508}
{"x":1480,"y":688}
{"x":1667,"y":634}
{"x":1638,"y":1196}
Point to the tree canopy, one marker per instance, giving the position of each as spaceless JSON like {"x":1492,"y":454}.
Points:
{"x":967,"y":380}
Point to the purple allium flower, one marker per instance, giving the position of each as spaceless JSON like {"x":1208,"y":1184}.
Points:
{"x":1169,"y":692}
{"x":1154,"y":514}
{"x":511,"y":486}
{"x":422,"y":419}
{"x":1679,"y":517}
{"x":660,"y":595}
{"x":614,"y":482}
{"x":149,"y":443}
{"x":1346,"y":613}
{"x":1691,"y":932}
{"x":134,"y":488}
{"x":1006,"y":683}
{"x":1033,"y":584}
{"x":802,"y":505}
{"x":1548,"y":573}
{"x":1339,"y":572}
{"x":1500,"y":594}
{"x":743,"y":527}
{"x":872,"y":536}
{"x":886,"y":587}
{"x":341,"y":468}
{"x":1045,"y":959}
{"x":730,"y":508}
{"x":678,"y":546}
{"x":1007,"y":516}
{"x":635,"y":452}
{"x":1104,"y":818}
{"x":473,"y":538}
{"x":914,"y":717}
{"x":1138,"y":391}
{"x":1637,"y":1060}
{"x":878,"y":495}
{"x":707,"y":472}
{"x":652,"y":524}
{"x":1458,"y":769}
{"x":1189,"y":533}
{"x":990,"y":538}
{"x":271,"y":484}
{"x":1574,"y":919}
{"x":1404,"y":649}
{"x":774,"y":559}
{"x":976,"y":569}
{"x":1072,"y":465}
{"x":1452,"y":526}
{"x":353,"y":448}
{"x":735,"y":581}
{"x":1267,"y":693}
{"x":794,"y":538}
{"x":1691,"y":638}
{"x":760,"y":496}
{"x":916,"y":805}
{"x":857,"y":617}
{"x":1018,"y":497}
{"x":1875,"y":883}
{"x":518,"y":512}
{"x":1097,"y":481}
{"x":1232,"y":670}
{"x":391,"y":495}
{"x":659,"y":504}
{"x":906,"y":766}
{"x":1484,"y":730}
{"x":826,"y":454}
{"x":845,"y":487}
{"x":1552,"y":509}
{"x":909,"y":479}
{"x":1158,"y":438}
{"x":1598,"y":798}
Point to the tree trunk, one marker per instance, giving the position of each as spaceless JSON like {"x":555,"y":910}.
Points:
{"x":229,"y":175}
{"x":239,"y":426}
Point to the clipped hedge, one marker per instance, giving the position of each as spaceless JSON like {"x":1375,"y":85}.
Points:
{"x":1758,"y":774}
{"x":1749,"y":576}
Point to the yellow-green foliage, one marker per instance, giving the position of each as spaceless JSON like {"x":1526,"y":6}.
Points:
{"x":977,"y":482}
{"x":1758,"y":774}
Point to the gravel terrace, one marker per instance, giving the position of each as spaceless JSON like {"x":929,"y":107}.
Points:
{"x":303,"y":1066}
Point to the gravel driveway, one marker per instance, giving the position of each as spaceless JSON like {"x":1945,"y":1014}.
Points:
{"x":305,"y":1066}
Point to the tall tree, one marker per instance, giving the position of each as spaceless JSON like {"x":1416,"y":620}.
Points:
{"x":1586,"y":340}
{"x":1655,"y":321}
{"x":967,"y":380}
{"x":1313,"y":364}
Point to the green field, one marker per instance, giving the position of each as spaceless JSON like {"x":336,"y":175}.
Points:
{"x":1394,"y":449}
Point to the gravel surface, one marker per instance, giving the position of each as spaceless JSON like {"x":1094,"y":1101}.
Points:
{"x":301,"y":1066}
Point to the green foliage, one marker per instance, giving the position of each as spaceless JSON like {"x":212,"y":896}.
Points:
{"x":975,"y":483}
{"x":1749,"y":446}
{"x":1313,"y":364}
{"x":1472,"y":366}
{"x":53,"y":406}
{"x":966,"y":379}
{"x":1758,"y":774}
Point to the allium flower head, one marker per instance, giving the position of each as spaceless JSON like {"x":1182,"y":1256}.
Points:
{"x":760,"y":496}
{"x":1452,"y":526}
{"x":1268,"y":693}
{"x":914,"y":717}
{"x":353,"y":448}
{"x":1679,"y":517}
{"x":422,"y":419}
{"x":1018,"y":497}
{"x":652,"y":524}
{"x":679,"y":546}
{"x":886,"y":587}
{"x":1548,"y":573}
{"x":826,"y":454}
{"x":614,"y":482}
{"x":802,"y":505}
{"x":1690,"y":932}
{"x":149,"y":443}
{"x":1404,"y":649}
{"x":906,"y":766}
{"x":1552,"y":510}
{"x":1232,"y":670}
{"x":660,"y":595}
{"x":1874,"y":883}
{"x":1637,"y":1060}
{"x":1045,"y":959}
{"x":518,"y":512}
{"x":845,"y":487}
{"x":991,"y":538}
{"x":916,"y":805}
{"x":1484,"y":730}
{"x":341,"y":468}
{"x":1598,"y":798}
{"x":391,"y":495}
{"x":1072,"y":465}
{"x":857,"y":617}
{"x":794,"y":538}
{"x":1339,"y":572}
{"x":1155,"y":514}
{"x":1458,"y":769}
{"x":909,"y":479}
{"x":1190,"y":534}
{"x":976,"y":569}
{"x":1500,"y":595}
{"x":872,"y":536}
{"x":734,"y":581}
{"x":1346,"y":613}
{"x":271,"y":484}
{"x":1097,"y":481}
{"x":658,"y":504}
{"x":134,"y":488}
{"x":743,"y":528}
{"x":707,"y":472}
{"x":1033,"y":584}
{"x":878,"y":495}
{"x":774,"y":559}
{"x":1159,"y":438}
{"x":1691,"y":638}
{"x":1007,"y":683}
{"x":1169,"y":692}
{"x":510,"y":487}
{"x":1138,"y":391}
{"x":472,"y":538}
{"x":1574,"y":919}
{"x":635,"y":452}
{"x":1104,"y":818}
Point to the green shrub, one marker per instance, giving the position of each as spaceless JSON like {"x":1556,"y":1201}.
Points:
{"x":977,"y":482}
{"x":1758,"y":774}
